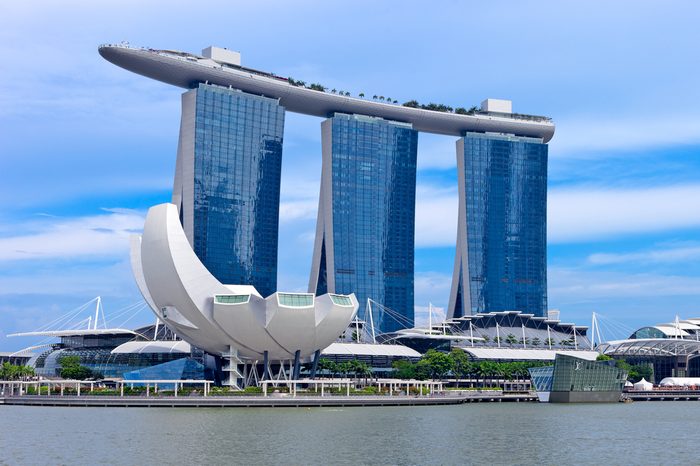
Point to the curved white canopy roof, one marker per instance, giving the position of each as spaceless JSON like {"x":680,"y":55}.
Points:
{"x":527,"y":354}
{"x":157,"y":346}
{"x":680,"y":381}
{"x":367,"y":349}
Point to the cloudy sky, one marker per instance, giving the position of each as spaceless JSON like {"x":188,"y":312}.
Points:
{"x":86,"y":147}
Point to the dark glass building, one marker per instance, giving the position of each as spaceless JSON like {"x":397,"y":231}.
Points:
{"x":501,"y":257}
{"x":227,"y":183}
{"x":366,"y":219}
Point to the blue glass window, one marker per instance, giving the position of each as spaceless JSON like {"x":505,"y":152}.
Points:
{"x":237,"y":169}
{"x":505,"y":181}
{"x":373,"y":195}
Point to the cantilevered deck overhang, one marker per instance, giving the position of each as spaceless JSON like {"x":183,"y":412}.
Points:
{"x":186,"y":70}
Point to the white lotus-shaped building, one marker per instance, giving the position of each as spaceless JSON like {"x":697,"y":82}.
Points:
{"x":229,"y":319}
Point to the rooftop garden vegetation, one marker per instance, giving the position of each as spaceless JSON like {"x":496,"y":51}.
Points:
{"x":411,"y":103}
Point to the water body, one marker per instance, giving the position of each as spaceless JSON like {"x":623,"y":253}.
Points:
{"x":489,"y":433}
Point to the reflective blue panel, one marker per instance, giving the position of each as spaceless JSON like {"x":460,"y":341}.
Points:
{"x":505,"y":181}
{"x":373,"y":190}
{"x":237,"y":168}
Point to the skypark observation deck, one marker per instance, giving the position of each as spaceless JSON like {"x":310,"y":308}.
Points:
{"x":186,"y":70}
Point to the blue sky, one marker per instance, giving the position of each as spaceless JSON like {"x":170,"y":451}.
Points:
{"x":86,"y":147}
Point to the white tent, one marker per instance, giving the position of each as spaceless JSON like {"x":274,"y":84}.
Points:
{"x":628,"y":384}
{"x":680,"y":381}
{"x":643,"y":385}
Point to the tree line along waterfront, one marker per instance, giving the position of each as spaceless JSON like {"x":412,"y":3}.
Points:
{"x":436,"y":365}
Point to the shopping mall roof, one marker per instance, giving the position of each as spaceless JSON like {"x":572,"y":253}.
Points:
{"x":367,"y":349}
{"x":75,"y":333}
{"x":651,"y":346}
{"x":140,"y":347}
{"x":513,"y":354}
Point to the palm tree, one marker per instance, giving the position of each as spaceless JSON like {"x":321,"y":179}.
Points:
{"x":362,"y":95}
{"x":374,"y":97}
{"x":334,"y":90}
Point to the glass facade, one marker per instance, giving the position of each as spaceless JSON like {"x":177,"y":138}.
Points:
{"x":231,"y":298}
{"x":367,"y":211}
{"x":577,"y":375}
{"x":181,"y":369}
{"x":502,"y":248}
{"x":295,"y":299}
{"x":237,"y":169}
{"x":542,"y":377}
{"x":102,"y":361}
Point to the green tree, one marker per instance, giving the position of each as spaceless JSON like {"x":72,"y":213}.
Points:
{"x":325,"y":364}
{"x":360,"y":369}
{"x":510,"y":339}
{"x":440,"y":364}
{"x":71,"y":368}
{"x":461,"y":366}
{"x":603,"y":357}
{"x":422,"y":370}
{"x":536,"y":341}
{"x":403,"y":369}
{"x":361,"y":95}
{"x":345,"y":368}
{"x":14,"y":372}
{"x":411,"y":103}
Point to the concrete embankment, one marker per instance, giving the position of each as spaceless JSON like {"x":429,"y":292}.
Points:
{"x":255,"y":401}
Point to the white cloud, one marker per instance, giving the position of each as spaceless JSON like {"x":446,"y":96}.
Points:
{"x":436,"y":152}
{"x":582,"y":214}
{"x":436,"y":216}
{"x":567,"y":285}
{"x":678,"y":254}
{"x":598,"y":135}
{"x":300,"y":209}
{"x":97,"y":236}
{"x":432,"y":287}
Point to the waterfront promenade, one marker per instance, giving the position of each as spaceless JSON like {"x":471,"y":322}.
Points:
{"x":261,"y":401}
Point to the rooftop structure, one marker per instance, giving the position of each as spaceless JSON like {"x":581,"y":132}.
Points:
{"x":185,"y":70}
{"x":670,"y":349}
{"x":495,"y":330}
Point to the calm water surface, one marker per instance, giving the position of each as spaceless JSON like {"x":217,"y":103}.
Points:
{"x":495,"y":433}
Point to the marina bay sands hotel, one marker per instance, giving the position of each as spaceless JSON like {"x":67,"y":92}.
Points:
{"x":228,"y":173}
